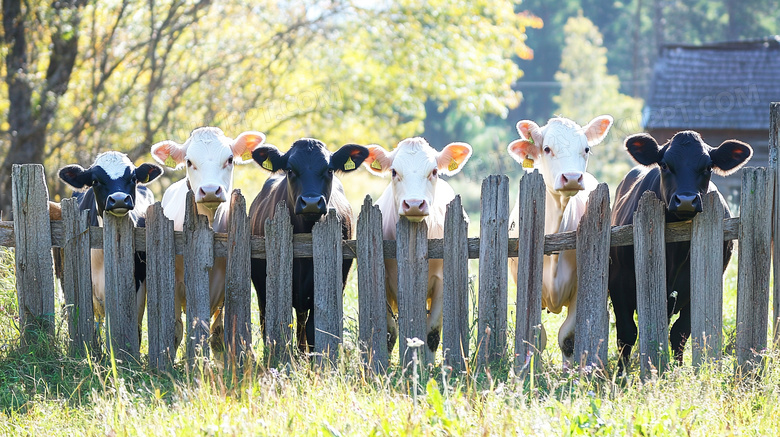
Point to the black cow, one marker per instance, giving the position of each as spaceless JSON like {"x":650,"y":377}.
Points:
{"x":309,"y":187}
{"x":113,"y":185}
{"x":679,"y":174}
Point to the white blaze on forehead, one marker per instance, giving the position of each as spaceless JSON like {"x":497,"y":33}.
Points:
{"x":414,"y":155}
{"x":205,"y":141}
{"x":565,"y":137}
{"x":113,"y":163}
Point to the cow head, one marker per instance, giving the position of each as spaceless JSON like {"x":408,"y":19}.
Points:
{"x":209,"y":156}
{"x":309,"y":168}
{"x":559,"y":150}
{"x":415,"y":167}
{"x":113,"y":178}
{"x":686,"y":164}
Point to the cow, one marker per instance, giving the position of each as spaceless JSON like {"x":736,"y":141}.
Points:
{"x":417,"y":193}
{"x":112,"y":184}
{"x":304,"y":177}
{"x":209,"y":157}
{"x":560,"y":151}
{"x":679,"y":174}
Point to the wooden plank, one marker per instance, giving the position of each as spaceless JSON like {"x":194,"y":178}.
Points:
{"x":494,"y":238}
{"x":412,"y":258}
{"x":328,"y":286}
{"x":754,"y":259}
{"x":372,"y":302}
{"x":238,"y":284}
{"x":160,"y":283}
{"x":77,"y":279}
{"x":707,"y":289}
{"x":32,"y":238}
{"x":456,"y":286}
{"x":774,"y":168}
{"x":528,"y":326}
{"x":650,"y":265}
{"x":278,"y":308}
{"x":121,"y":301}
{"x":198,"y":260}
{"x":592,"y":319}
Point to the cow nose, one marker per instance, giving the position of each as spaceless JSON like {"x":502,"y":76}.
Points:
{"x":686,"y":203}
{"x":414,"y":207}
{"x":311,"y":205}
{"x":119,"y":202}
{"x":210,"y":194}
{"x":570,"y":181}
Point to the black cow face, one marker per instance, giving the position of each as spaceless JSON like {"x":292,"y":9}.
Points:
{"x":309,"y":167}
{"x":113,"y":179}
{"x":686,"y":164}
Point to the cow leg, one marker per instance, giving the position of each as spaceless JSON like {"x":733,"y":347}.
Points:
{"x":258,"y":280}
{"x":435,"y":313}
{"x":566,"y":333}
{"x":179,"y":303}
{"x":303,"y":320}
{"x":140,"y":296}
{"x":680,"y":332}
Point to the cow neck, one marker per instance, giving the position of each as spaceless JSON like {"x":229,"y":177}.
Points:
{"x":561,"y":200}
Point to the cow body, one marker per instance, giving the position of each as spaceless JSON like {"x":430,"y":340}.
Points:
{"x":417,"y":193}
{"x":679,"y":174}
{"x":309,"y":188}
{"x":560,"y":151}
{"x":209,"y":157}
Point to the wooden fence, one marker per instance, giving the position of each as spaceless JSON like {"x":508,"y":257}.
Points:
{"x":33,"y":234}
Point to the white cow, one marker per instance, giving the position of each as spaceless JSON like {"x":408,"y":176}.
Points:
{"x":560,"y":151}
{"x":417,"y":193}
{"x":209,"y":157}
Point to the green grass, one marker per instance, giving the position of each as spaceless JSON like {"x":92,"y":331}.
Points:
{"x":43,"y":392}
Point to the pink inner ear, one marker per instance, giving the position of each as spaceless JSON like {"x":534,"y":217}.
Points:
{"x":380,"y":155}
{"x":247,"y":141}
{"x":523,"y":148}
{"x":168,"y":148}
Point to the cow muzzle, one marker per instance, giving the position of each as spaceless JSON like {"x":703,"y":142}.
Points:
{"x":685,"y":204}
{"x":571,"y":181}
{"x":119,"y":204}
{"x":415,"y":210}
{"x":311,"y":205}
{"x":210,"y":195}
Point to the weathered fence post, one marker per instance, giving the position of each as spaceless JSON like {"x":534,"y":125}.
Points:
{"x":328,"y":286}
{"x":238,"y":285}
{"x":77,"y":278}
{"x":412,"y":257}
{"x":278,"y":307}
{"x":774,"y":150}
{"x":32,"y":235}
{"x":160,"y":283}
{"x":650,"y":265}
{"x":456,"y":286}
{"x":707,"y":289}
{"x":493,"y":248}
{"x":198,"y":260}
{"x":530,"y":261}
{"x":121,"y":300}
{"x":754,"y":259}
{"x":372,"y":302}
{"x":592,"y":320}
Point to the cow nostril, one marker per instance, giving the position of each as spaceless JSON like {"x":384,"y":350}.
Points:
{"x":219,"y":191}
{"x":128,"y":200}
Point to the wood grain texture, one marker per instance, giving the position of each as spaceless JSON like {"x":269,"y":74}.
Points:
{"x":528,"y":326}
{"x":456,"y":286}
{"x":707,"y":289}
{"x":328,"y":292}
{"x":198,"y":260}
{"x":494,"y":238}
{"x":592,"y":320}
{"x":32,"y":238}
{"x":160,"y":283}
{"x":238,"y":284}
{"x":753,"y":265}
{"x":372,"y":303}
{"x":774,"y":168}
{"x":121,"y":304}
{"x":650,"y":265}
{"x":77,"y":279}
{"x":278,"y":317}
{"x":412,"y":288}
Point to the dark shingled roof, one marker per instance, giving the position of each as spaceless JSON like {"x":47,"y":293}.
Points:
{"x":726,"y":85}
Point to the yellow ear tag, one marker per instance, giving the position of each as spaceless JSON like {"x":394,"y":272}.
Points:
{"x":528,"y":163}
{"x":247,"y":156}
{"x":453,"y":166}
{"x":267,"y":164}
{"x":376,"y":165}
{"x":170,"y":162}
{"x":350,"y":164}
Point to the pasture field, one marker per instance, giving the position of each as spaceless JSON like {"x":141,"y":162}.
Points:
{"x":43,"y":392}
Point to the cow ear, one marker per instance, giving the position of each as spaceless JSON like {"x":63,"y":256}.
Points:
{"x":169,"y":153}
{"x":597,"y":129}
{"x":75,"y":176}
{"x":348,"y":157}
{"x":378,"y":161}
{"x":452,"y":158}
{"x":269,"y":157}
{"x":529,"y":130}
{"x":644,"y":149}
{"x":730,"y":157}
{"x":522,"y":150}
{"x":146,"y":173}
{"x":244,"y":144}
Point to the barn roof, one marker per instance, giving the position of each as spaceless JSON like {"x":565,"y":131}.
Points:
{"x":726,"y":85}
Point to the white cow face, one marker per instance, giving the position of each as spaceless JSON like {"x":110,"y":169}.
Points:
{"x":559,"y":150}
{"x":415,"y":167}
{"x":209,"y":156}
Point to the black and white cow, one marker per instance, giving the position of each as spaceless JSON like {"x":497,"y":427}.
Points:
{"x":679,"y":174}
{"x":305,"y":178}
{"x":113,"y":185}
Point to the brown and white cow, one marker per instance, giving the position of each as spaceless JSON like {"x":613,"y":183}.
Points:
{"x":417,"y":193}
{"x":560,"y":151}
{"x":209,"y":157}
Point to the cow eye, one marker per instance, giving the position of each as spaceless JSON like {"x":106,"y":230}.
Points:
{"x":662,"y":165}
{"x":230,"y":160}
{"x":189,"y":163}
{"x":547,"y":150}
{"x":709,"y":168}
{"x":290,"y":174}
{"x":587,"y":150}
{"x":134,"y":179}
{"x":394,"y":173}
{"x":434,"y":173}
